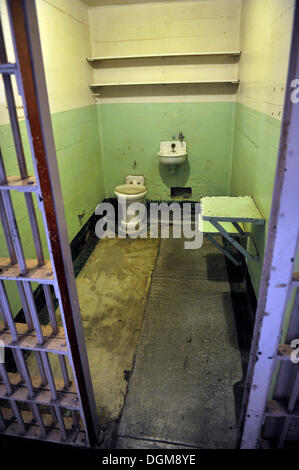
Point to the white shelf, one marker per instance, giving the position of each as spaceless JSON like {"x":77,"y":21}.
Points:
{"x":99,"y":85}
{"x":161,"y":56}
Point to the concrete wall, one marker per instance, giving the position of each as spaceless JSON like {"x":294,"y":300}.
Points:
{"x":133,"y":120}
{"x":264,"y":40}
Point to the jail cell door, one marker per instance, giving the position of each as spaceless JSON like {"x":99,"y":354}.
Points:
{"x":45,"y":388}
{"x":271,"y":398}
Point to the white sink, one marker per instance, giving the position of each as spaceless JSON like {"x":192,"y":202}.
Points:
{"x":172,"y":152}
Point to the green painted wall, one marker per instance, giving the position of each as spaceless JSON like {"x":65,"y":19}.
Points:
{"x":133,"y":131}
{"x":80,"y":166}
{"x":256,"y":141}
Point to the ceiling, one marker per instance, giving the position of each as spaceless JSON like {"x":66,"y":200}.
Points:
{"x":98,"y":3}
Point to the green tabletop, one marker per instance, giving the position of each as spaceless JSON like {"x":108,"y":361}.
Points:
{"x":231,"y":209}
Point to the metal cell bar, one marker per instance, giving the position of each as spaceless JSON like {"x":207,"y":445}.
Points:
{"x":53,"y":414}
{"x":18,"y":415}
{"x":61,"y":423}
{"x":5,"y":378}
{"x":2,"y":422}
{"x":2,"y":315}
{"x":18,"y":366}
{"x":8,"y":68}
{"x":24,"y":372}
{"x":25,"y":34}
{"x":11,"y":105}
{"x":33,"y":312}
{"x":290,"y":407}
{"x":281,"y":248}
{"x":49,"y":375}
{"x":284,"y":432}
{"x":19,"y":151}
{"x":50,"y":306}
{"x":10,"y":213}
{"x":7,"y":312}
{"x":38,"y":418}
{"x":25,"y":305}
{"x":41,"y":368}
{"x":294,"y":392}
{"x":31,"y":212}
{"x":64,"y":371}
{"x":6,"y":231}
{"x":35,"y":229}
{"x":75,"y":419}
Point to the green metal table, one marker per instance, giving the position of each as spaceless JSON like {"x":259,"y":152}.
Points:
{"x":226,"y":215}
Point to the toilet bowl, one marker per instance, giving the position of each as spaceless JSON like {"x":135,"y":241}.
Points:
{"x":131,"y":192}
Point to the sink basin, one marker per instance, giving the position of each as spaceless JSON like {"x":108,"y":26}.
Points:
{"x":172,"y":152}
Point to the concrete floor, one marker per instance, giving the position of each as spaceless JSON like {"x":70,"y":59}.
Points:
{"x":112,"y":289}
{"x":163,"y":353}
{"x":188,"y":360}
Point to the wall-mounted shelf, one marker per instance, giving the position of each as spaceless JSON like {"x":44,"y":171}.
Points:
{"x":195,"y":82}
{"x":161,"y":56}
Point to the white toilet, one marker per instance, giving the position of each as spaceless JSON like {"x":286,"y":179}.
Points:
{"x":133,"y":191}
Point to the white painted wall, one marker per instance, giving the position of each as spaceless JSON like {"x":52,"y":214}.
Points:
{"x":188,"y":26}
{"x":265,"y":37}
{"x":185,"y":26}
{"x":65,"y":39}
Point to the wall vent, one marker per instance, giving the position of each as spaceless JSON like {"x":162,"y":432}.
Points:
{"x":181,"y":192}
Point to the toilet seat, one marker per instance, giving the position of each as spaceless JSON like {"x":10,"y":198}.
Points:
{"x":130,"y":189}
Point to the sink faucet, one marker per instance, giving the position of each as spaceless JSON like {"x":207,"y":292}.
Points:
{"x":181,"y":136}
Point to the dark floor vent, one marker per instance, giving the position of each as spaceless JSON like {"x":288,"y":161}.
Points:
{"x":181,"y":192}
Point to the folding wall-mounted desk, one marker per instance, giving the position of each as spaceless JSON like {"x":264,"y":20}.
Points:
{"x":226,"y":216}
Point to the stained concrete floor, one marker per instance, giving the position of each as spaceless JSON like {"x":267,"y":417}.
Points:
{"x":112,"y":289}
{"x":188,"y":359}
{"x":162,"y":344}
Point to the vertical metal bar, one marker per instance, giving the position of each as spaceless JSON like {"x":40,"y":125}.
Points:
{"x":33,"y":312}
{"x":49,"y":374}
{"x":5,"y":378}
{"x":53,"y":414}
{"x":41,"y":368}
{"x":12,"y":109}
{"x":24,"y":372}
{"x":75,"y":419}
{"x":7,"y":235}
{"x":25,"y":305}
{"x":281,"y":247}
{"x":18,"y":415}
{"x":25,"y":33}
{"x":35,"y":229}
{"x":19,"y":151}
{"x":31,"y":212}
{"x":2,"y":314}
{"x":7,"y":312}
{"x":50,"y":307}
{"x":10,"y":213}
{"x":294,"y":392}
{"x":39,"y":419}
{"x":61,"y":423}
{"x":64,"y":371}
{"x":18,"y":366}
{"x":284,"y":432}
{"x":2,"y":422}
